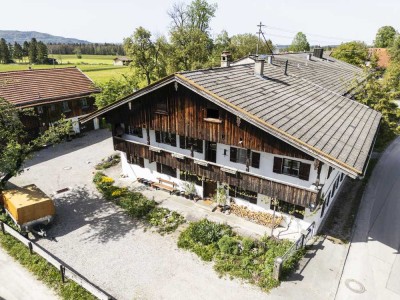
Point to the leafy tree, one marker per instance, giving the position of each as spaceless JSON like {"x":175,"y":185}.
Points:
{"x":355,"y":53}
{"x":394,"y":50}
{"x":42,"y":53}
{"x":33,"y":51}
{"x":245,"y":44}
{"x":18,"y":53}
{"x":25,"y":48}
{"x":15,"y":149}
{"x":115,"y":89}
{"x":5,"y":57}
{"x":385,"y":37}
{"x":144,"y":54}
{"x":199,"y":14}
{"x":299,"y":43}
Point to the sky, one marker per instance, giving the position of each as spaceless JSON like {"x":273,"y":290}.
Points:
{"x":323,"y":21}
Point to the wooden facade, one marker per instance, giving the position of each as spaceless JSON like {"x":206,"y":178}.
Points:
{"x":186,"y":114}
{"x":212,"y":172}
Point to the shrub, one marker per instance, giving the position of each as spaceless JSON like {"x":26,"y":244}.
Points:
{"x":164,"y":219}
{"x":137,"y":206}
{"x":229,"y":245}
{"x":207,"y":232}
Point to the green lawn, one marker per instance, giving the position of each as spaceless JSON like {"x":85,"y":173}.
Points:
{"x":99,"y":68}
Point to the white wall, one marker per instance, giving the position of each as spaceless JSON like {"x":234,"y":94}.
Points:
{"x":266,"y":167}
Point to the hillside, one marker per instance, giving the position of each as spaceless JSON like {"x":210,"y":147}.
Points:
{"x":12,"y":36}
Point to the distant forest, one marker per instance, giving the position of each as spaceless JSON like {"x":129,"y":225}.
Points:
{"x":94,"y":49}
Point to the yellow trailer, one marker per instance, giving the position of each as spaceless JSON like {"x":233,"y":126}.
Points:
{"x":28,"y":206}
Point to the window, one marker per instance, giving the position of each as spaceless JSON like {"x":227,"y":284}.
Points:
{"x":187,"y":143}
{"x":84,"y":103}
{"x":237,"y":192}
{"x":292,"y":168}
{"x":52,"y":107}
{"x":212,"y":113}
{"x":40,"y":109}
{"x":137,"y":131}
{"x":186,"y":176}
{"x":162,"y":107}
{"x":136,"y":160}
{"x":65,"y":106}
{"x":288,"y":208}
{"x":255,"y":160}
{"x":238,"y":155}
{"x":166,"y":138}
{"x":167,"y":170}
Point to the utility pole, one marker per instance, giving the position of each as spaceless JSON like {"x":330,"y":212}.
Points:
{"x":259,"y":36}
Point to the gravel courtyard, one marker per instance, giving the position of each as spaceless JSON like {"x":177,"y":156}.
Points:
{"x":109,"y":248}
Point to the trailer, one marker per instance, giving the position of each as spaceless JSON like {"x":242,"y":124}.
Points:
{"x":29,"y":208}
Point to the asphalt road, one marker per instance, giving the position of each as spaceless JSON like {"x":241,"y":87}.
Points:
{"x":372,"y":269}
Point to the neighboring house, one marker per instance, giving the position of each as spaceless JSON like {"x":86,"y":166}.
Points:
{"x":51,"y":93}
{"x":382,"y":55}
{"x":122,"y":61}
{"x":268,"y":135}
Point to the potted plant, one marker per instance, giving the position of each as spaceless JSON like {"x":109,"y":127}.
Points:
{"x":190,"y":190}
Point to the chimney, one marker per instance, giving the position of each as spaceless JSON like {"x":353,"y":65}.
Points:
{"x":269,"y":59}
{"x":309,"y":56}
{"x":286,"y":66}
{"x":318,"y":52}
{"x":225,"y":59}
{"x":259,"y":67}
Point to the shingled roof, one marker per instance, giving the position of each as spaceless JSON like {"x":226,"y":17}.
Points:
{"x":33,"y":87}
{"x":328,"y":72}
{"x":320,"y":122}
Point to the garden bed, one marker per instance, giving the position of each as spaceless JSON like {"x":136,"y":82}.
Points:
{"x":237,"y":256}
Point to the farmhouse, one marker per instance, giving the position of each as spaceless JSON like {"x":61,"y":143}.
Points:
{"x":51,"y":93}
{"x":122,"y":61}
{"x":271,"y":133}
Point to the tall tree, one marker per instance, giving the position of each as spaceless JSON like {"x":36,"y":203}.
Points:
{"x":25,"y":48}
{"x":299,"y":43}
{"x":394,"y":50}
{"x":14,"y":147}
{"x":384,"y":37}
{"x":355,"y":53}
{"x":144,"y":54}
{"x":33,"y":51}
{"x":18,"y":52}
{"x":5,"y":57}
{"x":42,"y":53}
{"x":245,"y":44}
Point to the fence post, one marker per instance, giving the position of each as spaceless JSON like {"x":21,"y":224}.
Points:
{"x":62,"y":270}
{"x":2,"y":227}
{"x":30,"y":247}
{"x":277,"y":268}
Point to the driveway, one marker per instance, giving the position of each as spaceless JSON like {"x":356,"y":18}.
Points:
{"x":372,"y":269}
{"x":116,"y":253}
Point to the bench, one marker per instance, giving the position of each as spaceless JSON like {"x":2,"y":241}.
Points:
{"x":165,"y":185}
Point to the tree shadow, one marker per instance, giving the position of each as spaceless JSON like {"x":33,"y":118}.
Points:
{"x":82,"y":208}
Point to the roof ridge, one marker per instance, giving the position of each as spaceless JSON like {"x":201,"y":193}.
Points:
{"x":40,"y":69}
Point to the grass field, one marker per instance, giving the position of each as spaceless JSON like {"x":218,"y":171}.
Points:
{"x":99,"y":68}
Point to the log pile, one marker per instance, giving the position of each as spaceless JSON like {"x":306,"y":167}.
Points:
{"x":262,"y":218}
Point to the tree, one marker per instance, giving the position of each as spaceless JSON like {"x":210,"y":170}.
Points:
{"x":384,"y":37}
{"x":141,"y":49}
{"x":299,"y":43}
{"x":394,"y":50}
{"x":245,"y":44}
{"x":5,"y":57}
{"x":199,"y":14}
{"x":115,"y":89}
{"x":25,"y":48}
{"x":14,"y":147}
{"x":33,"y":51}
{"x":355,"y":53}
{"x":42,"y":53}
{"x":18,"y":53}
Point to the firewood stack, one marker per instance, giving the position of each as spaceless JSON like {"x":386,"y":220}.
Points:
{"x":261,"y":218}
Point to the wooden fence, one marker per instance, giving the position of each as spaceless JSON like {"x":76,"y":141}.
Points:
{"x":65,"y":271}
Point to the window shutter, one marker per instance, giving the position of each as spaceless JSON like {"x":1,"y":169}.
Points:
{"x":278,"y":165}
{"x":182,"y":142}
{"x":255,"y":160}
{"x":233,"y":154}
{"x":158,"y":167}
{"x":173,"y":139}
{"x":158,"y":133}
{"x":304,"y":172}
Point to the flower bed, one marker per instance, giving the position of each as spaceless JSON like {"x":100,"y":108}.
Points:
{"x":262,"y":218}
{"x":138,"y":206}
{"x":108,"y":162}
{"x":235,"y":255}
